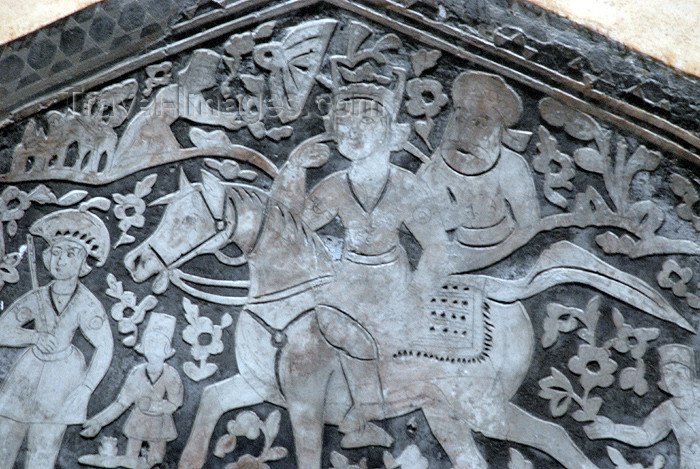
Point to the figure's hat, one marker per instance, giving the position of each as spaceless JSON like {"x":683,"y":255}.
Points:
{"x":80,"y":226}
{"x":677,"y":353}
{"x":472,"y":86}
{"x":160,"y":323}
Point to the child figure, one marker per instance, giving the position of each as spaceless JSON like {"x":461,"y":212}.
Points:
{"x":156,"y":390}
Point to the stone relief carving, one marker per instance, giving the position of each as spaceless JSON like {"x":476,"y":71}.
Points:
{"x":156,"y":392}
{"x":382,"y":328}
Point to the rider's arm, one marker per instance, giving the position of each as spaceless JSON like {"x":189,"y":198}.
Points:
{"x":654,"y":429}
{"x":322,"y":204}
{"x":518,"y":187}
{"x":22,"y":311}
{"x":426,"y":224}
{"x":289,"y":187}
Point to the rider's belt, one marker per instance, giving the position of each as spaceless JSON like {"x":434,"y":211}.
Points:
{"x":487,"y":235}
{"x":366,"y":259}
{"x":52,"y":357}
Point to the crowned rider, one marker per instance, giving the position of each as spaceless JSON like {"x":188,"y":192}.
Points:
{"x":680,"y":414}
{"x":49,"y":386}
{"x":373,"y":199}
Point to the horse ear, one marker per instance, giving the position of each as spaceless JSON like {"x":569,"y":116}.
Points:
{"x":184,"y":182}
{"x":214,"y":192}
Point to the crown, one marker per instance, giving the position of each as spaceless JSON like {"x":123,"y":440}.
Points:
{"x":358,"y":75}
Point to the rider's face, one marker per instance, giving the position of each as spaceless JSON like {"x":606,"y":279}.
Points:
{"x":361,"y":128}
{"x":677,"y":379}
{"x":472,"y":142}
{"x":67,"y":258}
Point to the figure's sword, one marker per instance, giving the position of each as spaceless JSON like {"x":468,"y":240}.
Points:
{"x":31,"y":256}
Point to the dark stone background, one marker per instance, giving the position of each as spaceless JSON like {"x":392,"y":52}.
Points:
{"x":101,"y":32}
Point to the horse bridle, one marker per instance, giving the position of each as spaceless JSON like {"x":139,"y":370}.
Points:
{"x":179,"y":278}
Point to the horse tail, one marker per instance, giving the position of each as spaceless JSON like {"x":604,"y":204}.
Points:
{"x":565,"y":263}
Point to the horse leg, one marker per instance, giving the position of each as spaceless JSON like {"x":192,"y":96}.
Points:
{"x":549,"y":437}
{"x":455,"y":436}
{"x":229,"y":394}
{"x":306,"y":365}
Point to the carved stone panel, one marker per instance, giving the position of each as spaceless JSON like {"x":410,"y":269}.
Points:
{"x":334,"y":235}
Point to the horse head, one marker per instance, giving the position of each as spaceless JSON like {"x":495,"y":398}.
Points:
{"x":199,"y":219}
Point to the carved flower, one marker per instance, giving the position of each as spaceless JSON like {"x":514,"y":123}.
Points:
{"x":128,"y":312}
{"x":248,"y":462}
{"x":202,"y":325}
{"x":675,"y":277}
{"x":425,"y":97}
{"x":129,"y":210}
{"x":13,"y":203}
{"x":594,"y":366}
{"x":632,"y":340}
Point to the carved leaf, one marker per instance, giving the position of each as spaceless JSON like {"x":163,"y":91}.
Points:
{"x":272,"y":424}
{"x":100,"y":203}
{"x":278,"y":133}
{"x":42,"y":195}
{"x":423,"y":129}
{"x":265,"y":30}
{"x":72,"y":197}
{"x":590,"y":409}
{"x":144,"y":186}
{"x":12,"y":228}
{"x":115,"y":288}
{"x":253,"y":83}
{"x":558,"y":391}
{"x":225,"y":445}
{"x":518,"y":461}
{"x":581,"y":126}
{"x":423,"y":60}
{"x":276,"y":453}
{"x":199,"y":373}
{"x":125,"y":238}
{"x":616,"y":457}
{"x":590,"y":160}
{"x":129,"y":341}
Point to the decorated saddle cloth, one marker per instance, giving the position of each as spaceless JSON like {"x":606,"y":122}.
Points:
{"x":455,"y":325}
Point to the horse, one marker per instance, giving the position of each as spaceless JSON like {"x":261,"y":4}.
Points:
{"x":284,"y":358}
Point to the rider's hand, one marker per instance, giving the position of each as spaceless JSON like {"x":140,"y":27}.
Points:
{"x":311,"y":153}
{"x":90,"y":429}
{"x":47,"y":343}
{"x":603,"y":427}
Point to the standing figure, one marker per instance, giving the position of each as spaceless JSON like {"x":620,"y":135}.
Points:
{"x":155,"y":390}
{"x":680,"y":414}
{"x":49,"y":386}
{"x":373,"y":199}
{"x":484,"y":188}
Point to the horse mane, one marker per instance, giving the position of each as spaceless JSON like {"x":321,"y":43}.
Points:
{"x":292,"y":220}
{"x":283,"y":240}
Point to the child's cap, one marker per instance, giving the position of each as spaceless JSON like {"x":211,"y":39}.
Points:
{"x":160,"y":323}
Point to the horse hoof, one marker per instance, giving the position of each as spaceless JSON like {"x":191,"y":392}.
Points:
{"x":370,"y":435}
